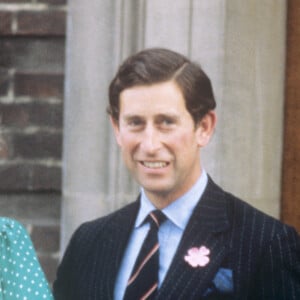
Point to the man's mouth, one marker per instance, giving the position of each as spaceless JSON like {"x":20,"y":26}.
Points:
{"x":154,"y":164}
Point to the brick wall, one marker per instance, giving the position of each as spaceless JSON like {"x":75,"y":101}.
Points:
{"x":32,"y":43}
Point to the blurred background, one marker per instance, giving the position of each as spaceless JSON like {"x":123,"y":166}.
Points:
{"x":59,"y":163}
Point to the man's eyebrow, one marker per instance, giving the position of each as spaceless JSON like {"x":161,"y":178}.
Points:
{"x":168,"y":116}
{"x":158,"y":116}
{"x":131,"y":117}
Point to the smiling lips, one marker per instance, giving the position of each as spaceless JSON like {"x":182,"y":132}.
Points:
{"x":154,"y":164}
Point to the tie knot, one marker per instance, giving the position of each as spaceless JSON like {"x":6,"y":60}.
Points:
{"x":157,"y":217}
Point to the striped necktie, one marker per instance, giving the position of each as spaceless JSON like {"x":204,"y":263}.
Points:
{"x":143,"y":281}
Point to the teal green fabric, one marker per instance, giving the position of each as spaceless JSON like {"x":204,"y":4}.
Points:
{"x":21,"y":276}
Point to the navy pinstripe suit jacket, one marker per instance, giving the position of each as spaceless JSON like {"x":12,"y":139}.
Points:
{"x":262,"y":254}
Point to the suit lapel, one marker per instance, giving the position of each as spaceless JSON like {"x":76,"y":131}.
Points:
{"x":207,"y":227}
{"x":117,"y":234}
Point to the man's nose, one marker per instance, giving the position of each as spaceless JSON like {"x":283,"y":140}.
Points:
{"x":151,"y":140}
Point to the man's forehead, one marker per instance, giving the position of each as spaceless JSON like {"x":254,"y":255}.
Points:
{"x":159,"y":87}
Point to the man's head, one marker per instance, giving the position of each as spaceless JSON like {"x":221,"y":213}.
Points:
{"x":161,"y":108}
{"x":158,"y":65}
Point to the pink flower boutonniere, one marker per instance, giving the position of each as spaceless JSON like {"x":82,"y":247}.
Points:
{"x":197,"y":257}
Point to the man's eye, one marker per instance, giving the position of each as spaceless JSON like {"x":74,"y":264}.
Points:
{"x":135,"y":123}
{"x":167,"y":122}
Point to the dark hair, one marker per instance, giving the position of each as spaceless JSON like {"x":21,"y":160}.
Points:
{"x":157,"y":65}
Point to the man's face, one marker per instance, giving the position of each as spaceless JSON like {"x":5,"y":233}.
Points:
{"x":159,"y":140}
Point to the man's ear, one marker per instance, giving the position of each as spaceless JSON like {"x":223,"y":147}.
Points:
{"x":205,"y":128}
{"x":116,"y":128}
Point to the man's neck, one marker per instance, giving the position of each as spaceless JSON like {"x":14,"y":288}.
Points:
{"x":162,"y":200}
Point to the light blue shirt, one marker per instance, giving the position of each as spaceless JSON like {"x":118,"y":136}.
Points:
{"x":169,"y":234}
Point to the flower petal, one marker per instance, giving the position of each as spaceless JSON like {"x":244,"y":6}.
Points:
{"x":203,"y":261}
{"x":191,"y":261}
{"x":204,"y":251}
{"x":193,"y":251}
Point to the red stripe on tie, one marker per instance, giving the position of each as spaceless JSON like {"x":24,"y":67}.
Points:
{"x":151,"y":253}
{"x":153,"y":288}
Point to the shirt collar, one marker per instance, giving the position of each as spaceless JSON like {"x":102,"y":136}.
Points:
{"x":179,"y":211}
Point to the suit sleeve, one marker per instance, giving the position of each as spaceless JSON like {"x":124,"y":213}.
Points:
{"x":63,"y":286}
{"x":279,"y":274}
{"x":63,"y":281}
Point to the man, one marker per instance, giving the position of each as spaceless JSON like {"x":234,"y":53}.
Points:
{"x":208,"y":243}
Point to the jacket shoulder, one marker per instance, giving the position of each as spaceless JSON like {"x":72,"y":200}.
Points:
{"x":91,"y":230}
{"x":247,"y":219}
